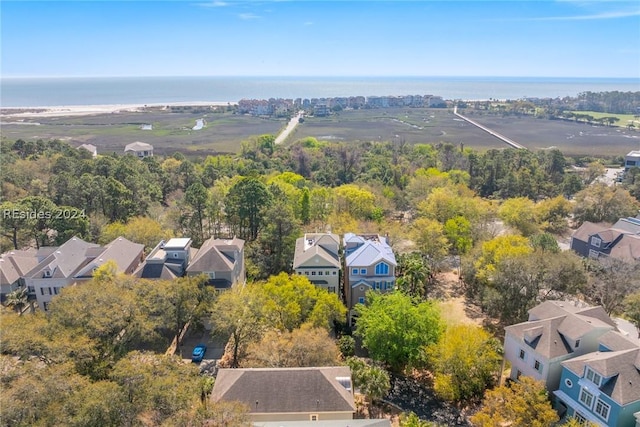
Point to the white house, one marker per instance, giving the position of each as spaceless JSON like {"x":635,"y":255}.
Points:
{"x":139,"y":149}
{"x":556,"y":331}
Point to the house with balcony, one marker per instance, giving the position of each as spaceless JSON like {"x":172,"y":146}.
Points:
{"x":602,"y":387}
{"x":75,"y":261}
{"x":619,"y":241}
{"x":369,"y":265}
{"x":222,"y":261}
{"x":320,"y":394}
{"x":555,"y":332}
{"x":317,"y":256}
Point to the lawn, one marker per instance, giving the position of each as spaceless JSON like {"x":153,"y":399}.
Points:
{"x":624,"y":120}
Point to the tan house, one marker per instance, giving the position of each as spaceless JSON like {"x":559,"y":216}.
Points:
{"x":289,"y":394}
{"x":168,"y":260}
{"x":369,"y":265}
{"x":222,"y":261}
{"x":317,"y":256}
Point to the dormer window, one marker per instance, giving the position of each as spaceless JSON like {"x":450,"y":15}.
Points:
{"x":577,"y":343}
{"x":593,"y":376}
{"x":382,"y":269}
{"x":47,"y":273}
{"x":595,"y":241}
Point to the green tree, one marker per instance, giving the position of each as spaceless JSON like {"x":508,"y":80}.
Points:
{"x":459,"y":233}
{"x":465,"y":362}
{"x":395,"y":329}
{"x":599,"y":202}
{"x":372,"y":381}
{"x":519,"y":213}
{"x":412,"y":420}
{"x":197,"y":198}
{"x":553,"y":214}
{"x":524,"y":403}
{"x":237,"y":315}
{"x":412,"y":274}
{"x":431,"y":241}
{"x":305,"y":206}
{"x":244,"y":205}
{"x":17,"y":299}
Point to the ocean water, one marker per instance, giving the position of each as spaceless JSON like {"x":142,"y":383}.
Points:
{"x":34,"y":92}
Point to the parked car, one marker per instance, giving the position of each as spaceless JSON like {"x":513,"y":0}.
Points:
{"x":198,"y":353}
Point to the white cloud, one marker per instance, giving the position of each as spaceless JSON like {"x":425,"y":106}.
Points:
{"x":596,"y":16}
{"x":248,"y":16}
{"x":213,"y":4}
{"x":306,"y":24}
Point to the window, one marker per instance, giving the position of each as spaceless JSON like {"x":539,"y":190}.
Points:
{"x":31,"y":289}
{"x":313,"y":273}
{"x":568,"y":383}
{"x":577,"y":343}
{"x":382,"y":269}
{"x":175,"y":255}
{"x":41,"y":291}
{"x":602,"y":409}
{"x":56,"y":290}
{"x":332,"y":289}
{"x":320,"y":273}
{"x":45,"y":305}
{"x":326,"y":273}
{"x":537,"y":366}
{"x":306,"y":273}
{"x":518,"y":374}
{"x":595,"y":241}
{"x":593,"y":254}
{"x":314,"y":417}
{"x":579,"y":418}
{"x":335,"y":273}
{"x":593,"y":376}
{"x":354,"y":271}
{"x":212,"y":275}
{"x":586,"y":398}
{"x":522,"y":355}
{"x":363,"y":271}
{"x":361,"y":300}
{"x":384,"y":284}
{"x":47,"y":273}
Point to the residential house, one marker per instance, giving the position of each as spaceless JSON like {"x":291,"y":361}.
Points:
{"x":369,"y":265}
{"x":619,"y":241}
{"x":317,"y":256}
{"x":74,"y":261}
{"x":632,"y":160}
{"x":139,"y":149}
{"x":13,"y":266}
{"x":602,"y":387}
{"x":90,"y":148}
{"x":289,"y":394}
{"x":331,"y":423}
{"x":168,"y":260}
{"x":222,"y":260}
{"x":556,"y":331}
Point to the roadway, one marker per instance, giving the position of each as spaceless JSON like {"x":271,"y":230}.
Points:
{"x":509,"y":141}
{"x":290,"y":127}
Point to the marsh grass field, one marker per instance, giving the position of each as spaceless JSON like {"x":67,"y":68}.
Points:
{"x":224,"y":131}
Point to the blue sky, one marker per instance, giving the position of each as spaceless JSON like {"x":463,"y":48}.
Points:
{"x":320,"y":38}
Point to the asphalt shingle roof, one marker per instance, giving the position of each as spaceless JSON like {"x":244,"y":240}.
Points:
{"x":284,"y":390}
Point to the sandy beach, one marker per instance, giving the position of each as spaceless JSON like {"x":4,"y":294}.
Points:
{"x":86,"y":110}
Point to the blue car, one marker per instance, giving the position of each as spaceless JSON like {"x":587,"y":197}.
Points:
{"x":198,"y":353}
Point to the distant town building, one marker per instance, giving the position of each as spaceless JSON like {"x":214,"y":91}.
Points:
{"x":620,"y":241}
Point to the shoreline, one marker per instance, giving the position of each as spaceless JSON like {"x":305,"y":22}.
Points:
{"x":87,"y":110}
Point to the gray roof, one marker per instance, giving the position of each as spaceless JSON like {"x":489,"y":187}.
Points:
{"x":65,"y":261}
{"x":620,"y":371}
{"x":553,"y":323}
{"x":15,"y":264}
{"x":629,"y":225}
{"x":588,"y":229}
{"x":371,"y":252}
{"x":148,"y":270}
{"x":286,"y":390}
{"x":138,"y":146}
{"x":124,"y":252}
{"x":216,"y":255}
{"x":312,"y":245}
{"x":614,"y":340}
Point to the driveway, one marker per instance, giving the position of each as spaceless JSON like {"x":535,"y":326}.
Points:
{"x":215,"y":345}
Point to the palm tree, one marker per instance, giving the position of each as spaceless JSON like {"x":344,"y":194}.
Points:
{"x":17,"y":299}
